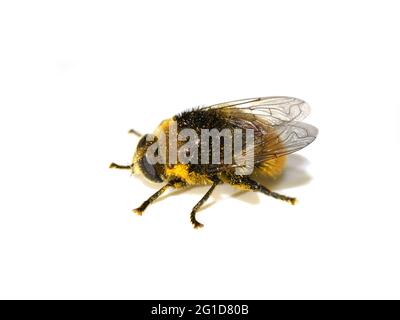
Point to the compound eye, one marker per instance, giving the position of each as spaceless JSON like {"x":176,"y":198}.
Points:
{"x":149,"y":170}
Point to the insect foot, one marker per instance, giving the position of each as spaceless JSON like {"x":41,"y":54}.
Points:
{"x":194,"y":221}
{"x":197,"y":225}
{"x":139,"y":211}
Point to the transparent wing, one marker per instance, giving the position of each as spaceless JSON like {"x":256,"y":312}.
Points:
{"x":274,"y":110}
{"x":284,"y":140}
{"x":276,"y":121}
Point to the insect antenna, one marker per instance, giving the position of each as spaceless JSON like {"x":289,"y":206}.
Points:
{"x":118,"y":166}
{"x":136,"y":133}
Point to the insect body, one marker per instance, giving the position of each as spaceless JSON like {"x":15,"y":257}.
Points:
{"x":226,"y":156}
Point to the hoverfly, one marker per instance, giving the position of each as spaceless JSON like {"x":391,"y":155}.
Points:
{"x":277,"y":130}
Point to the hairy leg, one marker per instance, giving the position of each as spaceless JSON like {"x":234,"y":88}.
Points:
{"x":145,"y":204}
{"x":249,"y":184}
{"x":171,"y":184}
{"x":193,"y":219}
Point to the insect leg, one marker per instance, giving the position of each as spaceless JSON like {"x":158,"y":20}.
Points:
{"x":117,"y":166}
{"x":145,"y":204}
{"x":254,"y":185}
{"x":193,"y":219}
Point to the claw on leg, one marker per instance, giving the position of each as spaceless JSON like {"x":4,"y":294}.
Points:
{"x":194,"y":221}
{"x":138,"y":211}
{"x":198,"y":225}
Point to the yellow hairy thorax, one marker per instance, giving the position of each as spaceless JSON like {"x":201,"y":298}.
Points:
{"x":181,"y":171}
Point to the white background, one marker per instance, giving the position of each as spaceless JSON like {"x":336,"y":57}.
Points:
{"x":76,"y":75}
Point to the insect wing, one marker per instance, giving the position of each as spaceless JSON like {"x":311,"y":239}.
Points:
{"x":276,"y":121}
{"x":273,"y":110}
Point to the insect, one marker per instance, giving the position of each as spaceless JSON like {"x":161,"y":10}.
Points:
{"x":276,"y":130}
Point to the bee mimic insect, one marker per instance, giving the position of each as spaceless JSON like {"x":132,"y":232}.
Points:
{"x":223,"y":143}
